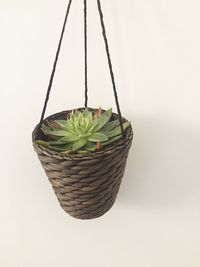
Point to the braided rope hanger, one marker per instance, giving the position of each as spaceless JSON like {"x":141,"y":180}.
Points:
{"x":86,"y":66}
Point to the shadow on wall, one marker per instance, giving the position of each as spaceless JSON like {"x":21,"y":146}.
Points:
{"x":163,"y":165}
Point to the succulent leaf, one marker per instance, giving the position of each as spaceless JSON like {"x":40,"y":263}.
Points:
{"x":79,"y":144}
{"x":90,"y":146}
{"x":57,"y":132}
{"x":67,"y":125}
{"x":112,"y":140}
{"x":116,"y":131}
{"x":45,"y":129}
{"x":70,"y":137}
{"x":43,"y":143}
{"x":93,"y":126}
{"x":86,"y":113}
{"x":110,"y":125}
{"x":54,"y":146}
{"x":97,"y":137}
{"x":80,"y":130}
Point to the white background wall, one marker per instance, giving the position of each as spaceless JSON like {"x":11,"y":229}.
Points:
{"x":155,"y":49}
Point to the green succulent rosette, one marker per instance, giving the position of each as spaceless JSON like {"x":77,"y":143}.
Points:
{"x":82,"y":132}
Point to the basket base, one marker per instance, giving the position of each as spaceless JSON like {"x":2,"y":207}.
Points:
{"x":91,"y":216}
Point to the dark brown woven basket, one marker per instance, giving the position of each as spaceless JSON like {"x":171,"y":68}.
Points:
{"x":86,"y":185}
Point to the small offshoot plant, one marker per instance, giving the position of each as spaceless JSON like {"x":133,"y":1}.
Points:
{"x":82,"y":132}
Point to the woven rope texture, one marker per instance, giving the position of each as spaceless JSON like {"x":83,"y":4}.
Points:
{"x":86,"y":185}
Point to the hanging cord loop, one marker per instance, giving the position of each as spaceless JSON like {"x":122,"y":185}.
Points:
{"x":55,"y":65}
{"x":85,"y":54}
{"x":86,"y":67}
{"x":110,"y":66}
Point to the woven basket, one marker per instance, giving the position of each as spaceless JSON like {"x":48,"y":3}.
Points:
{"x":86,"y":185}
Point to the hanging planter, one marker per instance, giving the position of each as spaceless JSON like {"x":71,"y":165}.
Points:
{"x":84,"y":152}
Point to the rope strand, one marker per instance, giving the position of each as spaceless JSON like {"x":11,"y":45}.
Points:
{"x":110,"y":65}
{"x":85,"y":48}
{"x":54,"y":65}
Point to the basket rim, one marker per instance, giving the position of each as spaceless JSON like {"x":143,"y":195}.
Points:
{"x":107,"y":150}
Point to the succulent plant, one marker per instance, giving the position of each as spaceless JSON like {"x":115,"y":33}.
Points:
{"x":82,"y":132}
